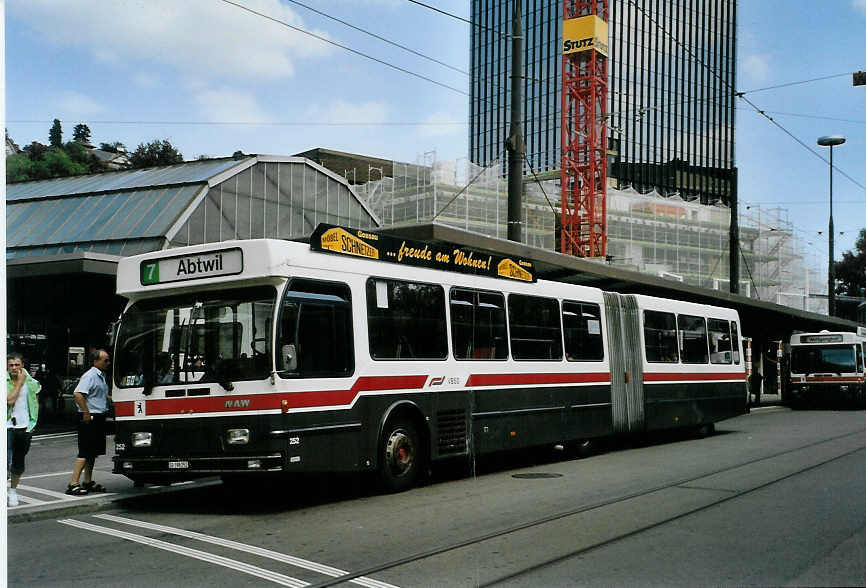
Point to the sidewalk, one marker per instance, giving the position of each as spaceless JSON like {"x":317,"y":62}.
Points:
{"x":41,"y":491}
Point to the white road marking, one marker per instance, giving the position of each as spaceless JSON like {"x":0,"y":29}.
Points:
{"x":27,"y":500}
{"x":193,"y":553}
{"x":54,"y":436}
{"x":46,"y":475}
{"x":295,"y":561}
{"x":61,"y":495}
{"x":69,"y":473}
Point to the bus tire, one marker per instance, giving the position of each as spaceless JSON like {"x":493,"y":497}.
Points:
{"x":705,"y":430}
{"x":401,"y":455}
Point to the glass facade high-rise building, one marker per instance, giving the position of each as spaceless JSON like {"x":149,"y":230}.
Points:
{"x":670,"y":91}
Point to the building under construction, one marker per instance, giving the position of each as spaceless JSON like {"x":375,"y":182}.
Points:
{"x":668,"y":236}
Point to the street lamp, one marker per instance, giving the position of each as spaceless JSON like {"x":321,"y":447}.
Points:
{"x":831,"y":141}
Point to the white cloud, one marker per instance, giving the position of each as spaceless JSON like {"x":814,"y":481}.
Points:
{"x":859,"y":6}
{"x":756,"y":67}
{"x":441,"y":124}
{"x":229,"y":105}
{"x":77,"y":105}
{"x":200,"y":37}
{"x":340,"y":111}
{"x":145,"y":80}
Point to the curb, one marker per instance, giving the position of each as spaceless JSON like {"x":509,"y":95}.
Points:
{"x":105,"y":502}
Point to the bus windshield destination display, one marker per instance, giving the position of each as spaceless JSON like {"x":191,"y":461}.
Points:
{"x":346,"y":241}
{"x":190,"y":267}
{"x":821,"y":339}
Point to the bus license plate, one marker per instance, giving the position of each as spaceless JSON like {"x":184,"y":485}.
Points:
{"x":178,"y":465}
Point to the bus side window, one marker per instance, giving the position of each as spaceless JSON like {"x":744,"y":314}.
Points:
{"x":693,"y":339}
{"x":534,"y":324}
{"x":735,"y":342}
{"x":315,"y":335}
{"x":478,"y":328}
{"x":406,"y":320}
{"x":859,"y":358}
{"x":660,"y":337}
{"x":720,"y":341}
{"x":581,"y":322}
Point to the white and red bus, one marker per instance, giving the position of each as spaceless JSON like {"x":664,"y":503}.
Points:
{"x":363,"y":351}
{"x":827,"y":369}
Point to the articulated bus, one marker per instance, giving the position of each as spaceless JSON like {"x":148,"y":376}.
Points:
{"x":366,"y":352}
{"x":827,"y":369}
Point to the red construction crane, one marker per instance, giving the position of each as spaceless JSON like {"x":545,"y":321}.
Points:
{"x":584,"y":128}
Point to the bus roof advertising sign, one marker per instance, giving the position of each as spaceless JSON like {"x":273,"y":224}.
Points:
{"x":449,"y":257}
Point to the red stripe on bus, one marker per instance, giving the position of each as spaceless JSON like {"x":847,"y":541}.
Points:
{"x":535,"y":379}
{"x":267,"y":401}
{"x":679,"y":377}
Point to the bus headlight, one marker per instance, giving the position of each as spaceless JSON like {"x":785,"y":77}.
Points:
{"x":238,"y":436}
{"x":142,"y":439}
{"x":843,"y":388}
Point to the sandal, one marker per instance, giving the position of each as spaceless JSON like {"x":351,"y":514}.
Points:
{"x":92,"y":486}
{"x":76,"y":490}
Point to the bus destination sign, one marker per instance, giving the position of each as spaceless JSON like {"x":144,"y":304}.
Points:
{"x":821,"y":338}
{"x":358,"y":243}
{"x":209,"y":264}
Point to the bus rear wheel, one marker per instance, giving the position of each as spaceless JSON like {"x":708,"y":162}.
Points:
{"x":401,"y":456}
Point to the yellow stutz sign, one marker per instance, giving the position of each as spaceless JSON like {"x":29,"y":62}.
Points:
{"x":342,"y":241}
{"x":585,"y":33}
{"x":508,"y":269}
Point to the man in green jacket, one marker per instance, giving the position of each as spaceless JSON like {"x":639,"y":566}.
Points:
{"x":22,"y":412}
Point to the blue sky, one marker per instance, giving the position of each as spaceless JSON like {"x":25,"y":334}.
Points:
{"x":136,"y":69}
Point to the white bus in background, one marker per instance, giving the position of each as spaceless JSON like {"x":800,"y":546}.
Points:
{"x":827,"y":369}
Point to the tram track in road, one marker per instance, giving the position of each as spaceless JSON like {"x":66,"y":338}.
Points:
{"x":728,"y":495}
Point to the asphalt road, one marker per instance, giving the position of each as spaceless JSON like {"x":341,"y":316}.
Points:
{"x":774,"y":498}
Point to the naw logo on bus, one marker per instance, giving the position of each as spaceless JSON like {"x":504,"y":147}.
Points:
{"x":240,"y":403}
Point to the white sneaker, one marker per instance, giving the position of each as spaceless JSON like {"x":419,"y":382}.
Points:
{"x":12,"y":497}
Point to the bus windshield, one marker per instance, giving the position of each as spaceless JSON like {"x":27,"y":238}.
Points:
{"x":824,"y":359}
{"x":221,"y":336}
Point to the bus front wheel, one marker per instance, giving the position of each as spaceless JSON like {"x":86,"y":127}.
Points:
{"x":401,"y":456}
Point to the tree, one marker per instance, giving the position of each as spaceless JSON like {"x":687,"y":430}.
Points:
{"x":115,"y":147}
{"x":58,"y":164}
{"x":155,"y":153}
{"x":55,"y":135}
{"x":78,"y":153}
{"x":81,"y":133}
{"x":19,"y":168}
{"x":36,"y":150}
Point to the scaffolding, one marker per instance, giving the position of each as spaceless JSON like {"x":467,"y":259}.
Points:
{"x":665,"y":236}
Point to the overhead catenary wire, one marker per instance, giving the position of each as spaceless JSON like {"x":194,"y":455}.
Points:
{"x":454,"y":16}
{"x":812,"y":116}
{"x":790,"y":134}
{"x":345,"y":48}
{"x":252,"y":123}
{"x":375,"y":36}
{"x":464,"y":188}
{"x":788,"y":84}
{"x":741,"y":95}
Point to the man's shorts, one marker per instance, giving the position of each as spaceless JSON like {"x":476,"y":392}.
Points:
{"x":20,"y":445}
{"x":91,"y":436}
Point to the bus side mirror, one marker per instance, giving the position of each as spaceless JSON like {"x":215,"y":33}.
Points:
{"x":289,"y":358}
{"x":111,"y":333}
